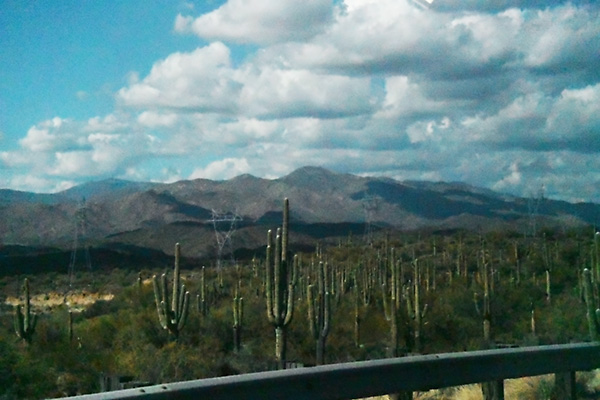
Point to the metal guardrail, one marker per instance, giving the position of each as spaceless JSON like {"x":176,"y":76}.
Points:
{"x":379,"y":377}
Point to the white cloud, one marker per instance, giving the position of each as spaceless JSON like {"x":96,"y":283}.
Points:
{"x":183,"y":23}
{"x":204,"y":81}
{"x":222,"y":169}
{"x":287,"y":93}
{"x":512,"y":179}
{"x":39,"y":138}
{"x":562,"y":35}
{"x":499,"y":95}
{"x":154,"y":119}
{"x":259,"y":21}
{"x":72,"y":163}
{"x":200,"y":80}
{"x":574,"y":118}
{"x":405,"y":98}
{"x":15,"y":159}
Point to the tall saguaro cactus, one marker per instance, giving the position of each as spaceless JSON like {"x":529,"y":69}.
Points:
{"x":202,"y":303}
{"x":357,"y":318}
{"x":592,"y":312}
{"x":391,"y":305}
{"x":490,"y":390}
{"x":319,"y":312}
{"x":25,"y":320}
{"x":415,"y":311}
{"x":238,"y":316}
{"x":173,"y":317}
{"x":487,"y":313}
{"x":279,"y":285}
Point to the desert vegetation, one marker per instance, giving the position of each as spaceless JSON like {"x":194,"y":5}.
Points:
{"x":344,"y":300}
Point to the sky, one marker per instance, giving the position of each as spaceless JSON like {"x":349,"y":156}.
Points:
{"x":501,"y":94}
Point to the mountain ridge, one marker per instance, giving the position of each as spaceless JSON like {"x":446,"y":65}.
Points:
{"x":156,"y":215}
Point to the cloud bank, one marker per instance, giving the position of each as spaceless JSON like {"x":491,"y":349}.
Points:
{"x":499,"y":94}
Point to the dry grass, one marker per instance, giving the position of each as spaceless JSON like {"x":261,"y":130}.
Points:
{"x":75,"y":301}
{"x":529,"y":388}
{"x":521,"y":389}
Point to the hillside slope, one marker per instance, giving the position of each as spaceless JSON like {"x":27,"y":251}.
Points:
{"x":323,"y":204}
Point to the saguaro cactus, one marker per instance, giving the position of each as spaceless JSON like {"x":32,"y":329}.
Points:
{"x":319,"y":312}
{"x":415,"y":311}
{"x":202,"y":303}
{"x":490,"y":390}
{"x":238,"y":315}
{"x":25,"y":320}
{"x":279,"y":285}
{"x":71,"y":332}
{"x":485,"y":310}
{"x":172,"y":319}
{"x":357,"y":318}
{"x":390,"y":306}
{"x":391,"y":315}
{"x":592,"y":312}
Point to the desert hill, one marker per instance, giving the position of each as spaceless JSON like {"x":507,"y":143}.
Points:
{"x":122,"y":217}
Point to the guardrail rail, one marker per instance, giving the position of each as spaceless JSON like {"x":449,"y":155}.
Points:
{"x":380,"y":377}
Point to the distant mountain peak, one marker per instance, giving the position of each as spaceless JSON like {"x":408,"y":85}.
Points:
{"x":311,"y":171}
{"x":243,"y":177}
{"x":154,"y":215}
{"x":312,"y":177}
{"x":105,"y":187}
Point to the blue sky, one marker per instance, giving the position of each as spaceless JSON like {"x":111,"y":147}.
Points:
{"x":502,"y":94}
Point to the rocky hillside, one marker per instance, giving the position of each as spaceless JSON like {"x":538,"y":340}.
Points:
{"x":116,"y":214}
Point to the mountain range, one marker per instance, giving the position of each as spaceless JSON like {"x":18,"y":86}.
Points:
{"x":147,"y":219}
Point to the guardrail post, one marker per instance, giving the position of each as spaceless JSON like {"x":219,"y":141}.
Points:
{"x":493,"y":390}
{"x":564,"y":386}
{"x":499,"y":389}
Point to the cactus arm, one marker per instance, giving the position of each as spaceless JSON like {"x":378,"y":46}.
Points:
{"x":27,"y":308}
{"x":33,"y":323}
{"x":386,"y":305}
{"x":591,"y":314}
{"x":19,"y":322}
{"x":176,"y":296}
{"x":182,"y":318}
{"x":326,"y":315}
{"x":311,"y":311}
{"x":164,"y":295}
{"x":278,"y":278}
{"x":409,"y":303}
{"x":158,"y":301}
{"x":202,"y":304}
{"x":269,"y":278}
{"x":238,"y":311}
{"x":289,"y":313}
{"x":284,"y":233}
{"x":181,"y":304}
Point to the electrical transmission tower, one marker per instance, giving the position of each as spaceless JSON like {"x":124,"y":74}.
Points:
{"x":80,"y":235}
{"x":370,"y":206}
{"x":533,"y":206}
{"x":224,"y":225}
